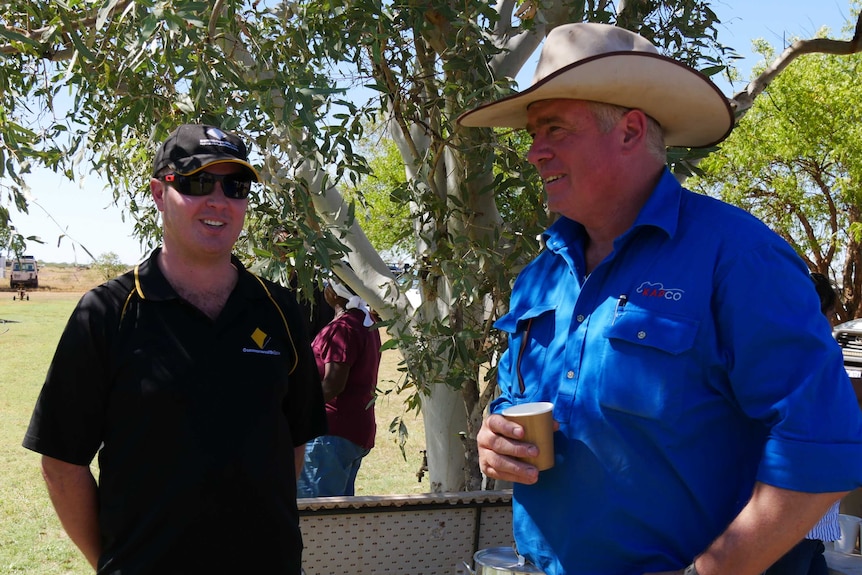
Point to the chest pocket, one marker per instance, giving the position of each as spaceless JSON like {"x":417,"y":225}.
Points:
{"x":670,"y":334}
{"x":531,"y":333}
{"x":647,"y":363}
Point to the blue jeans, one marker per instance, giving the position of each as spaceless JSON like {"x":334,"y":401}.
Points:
{"x":804,"y":559}
{"x":330,"y":468}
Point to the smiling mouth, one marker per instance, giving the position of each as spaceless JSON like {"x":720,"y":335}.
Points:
{"x":213,"y":223}
{"x":552,"y":179}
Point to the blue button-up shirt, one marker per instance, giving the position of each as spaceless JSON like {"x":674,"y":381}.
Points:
{"x":692,"y":362}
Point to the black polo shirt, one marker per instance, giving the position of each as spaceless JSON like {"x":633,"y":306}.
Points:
{"x":194,"y":420}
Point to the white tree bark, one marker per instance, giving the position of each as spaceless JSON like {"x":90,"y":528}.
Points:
{"x":444,"y":417}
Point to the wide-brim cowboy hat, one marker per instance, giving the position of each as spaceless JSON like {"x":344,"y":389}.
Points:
{"x":604,"y":63}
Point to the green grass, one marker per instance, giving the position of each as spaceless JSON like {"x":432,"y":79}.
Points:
{"x":31,"y":538}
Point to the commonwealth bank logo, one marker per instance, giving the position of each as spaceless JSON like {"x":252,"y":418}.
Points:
{"x":262,"y":340}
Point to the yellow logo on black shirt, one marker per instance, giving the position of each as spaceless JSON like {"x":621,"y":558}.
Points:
{"x":261,"y":338}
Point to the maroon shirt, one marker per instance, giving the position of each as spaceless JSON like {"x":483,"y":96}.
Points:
{"x":345,"y":340}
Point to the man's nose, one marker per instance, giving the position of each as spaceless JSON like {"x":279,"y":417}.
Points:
{"x":217,"y":196}
{"x":538,"y":152}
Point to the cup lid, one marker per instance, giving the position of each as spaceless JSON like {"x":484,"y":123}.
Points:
{"x":504,"y":558}
{"x":533,"y":408}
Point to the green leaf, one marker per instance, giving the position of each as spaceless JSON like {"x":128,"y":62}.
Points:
{"x":71,"y":30}
{"x":13,"y":36}
{"x":389,"y":344}
{"x":105,"y":13}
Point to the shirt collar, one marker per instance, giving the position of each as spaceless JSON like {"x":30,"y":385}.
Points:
{"x":151,"y":284}
{"x":661,"y":210}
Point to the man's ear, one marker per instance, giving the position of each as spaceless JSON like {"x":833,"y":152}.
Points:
{"x":157,"y":189}
{"x":634,"y":125}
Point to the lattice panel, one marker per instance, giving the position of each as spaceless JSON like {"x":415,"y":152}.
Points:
{"x":495,"y":529}
{"x":420,"y":542}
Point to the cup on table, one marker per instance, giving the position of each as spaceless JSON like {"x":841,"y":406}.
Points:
{"x":537,"y":419}
{"x":849,"y":525}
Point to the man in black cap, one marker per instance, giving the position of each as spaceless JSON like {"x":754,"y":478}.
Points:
{"x":194,"y":381}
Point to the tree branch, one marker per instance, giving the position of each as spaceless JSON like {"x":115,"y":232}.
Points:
{"x":519,"y":47}
{"x":47,"y":52}
{"x":505,"y":9}
{"x":516,"y":51}
{"x":217,"y":8}
{"x":743,"y":101}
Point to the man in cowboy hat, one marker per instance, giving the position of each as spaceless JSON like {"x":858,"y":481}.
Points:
{"x":692,"y":374}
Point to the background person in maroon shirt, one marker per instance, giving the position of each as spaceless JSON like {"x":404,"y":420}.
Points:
{"x":347,"y":351}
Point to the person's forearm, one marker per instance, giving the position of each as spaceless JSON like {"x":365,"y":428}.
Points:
{"x":334,"y":379}
{"x":74,"y":494}
{"x":772,"y":522}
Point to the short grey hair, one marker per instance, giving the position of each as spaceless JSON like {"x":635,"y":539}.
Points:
{"x":607,"y":115}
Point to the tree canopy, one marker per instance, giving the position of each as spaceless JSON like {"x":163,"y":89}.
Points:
{"x":383,"y":200}
{"x":97,"y":85}
{"x":796,"y":163}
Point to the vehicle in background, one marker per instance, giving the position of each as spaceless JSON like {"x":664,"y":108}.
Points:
{"x":849,"y":337}
{"x":25,"y":273}
{"x":407,"y":281}
{"x":409,"y":285}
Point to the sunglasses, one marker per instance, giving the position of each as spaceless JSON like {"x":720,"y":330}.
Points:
{"x":234,"y":186}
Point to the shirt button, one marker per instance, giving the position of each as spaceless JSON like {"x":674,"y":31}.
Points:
{"x":570,"y":374}
{"x":580,"y":318}
{"x":641,"y":335}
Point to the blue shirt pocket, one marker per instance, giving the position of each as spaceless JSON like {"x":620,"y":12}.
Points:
{"x":646,"y":368}
{"x":531,"y":333}
{"x":671,"y":334}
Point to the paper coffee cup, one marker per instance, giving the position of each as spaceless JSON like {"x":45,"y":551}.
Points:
{"x":537,"y":419}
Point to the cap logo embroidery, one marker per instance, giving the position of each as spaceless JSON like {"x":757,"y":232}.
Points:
{"x":218,"y":138}
{"x":657,"y":290}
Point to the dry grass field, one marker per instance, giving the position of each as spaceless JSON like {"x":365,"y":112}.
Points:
{"x":64,"y":278}
{"x":31,"y":539}
{"x":384,"y":471}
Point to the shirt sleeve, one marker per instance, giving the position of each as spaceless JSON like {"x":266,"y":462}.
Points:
{"x":504,"y":378}
{"x":304,"y":407}
{"x":338,"y":343}
{"x":786,"y":371}
{"x":67,"y":420}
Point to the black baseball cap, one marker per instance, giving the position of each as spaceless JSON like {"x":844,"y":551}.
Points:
{"x":192,"y":147}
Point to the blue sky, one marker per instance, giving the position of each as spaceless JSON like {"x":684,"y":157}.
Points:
{"x":82,"y":212}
